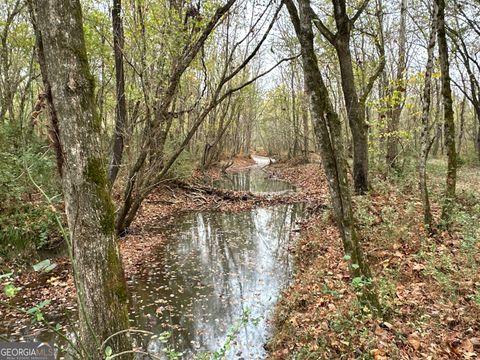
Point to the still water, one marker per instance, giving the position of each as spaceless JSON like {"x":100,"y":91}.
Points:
{"x":214,"y":267}
{"x":214,"y":270}
{"x":254,"y":180}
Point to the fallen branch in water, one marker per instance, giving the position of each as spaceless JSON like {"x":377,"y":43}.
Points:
{"x":230,"y":195}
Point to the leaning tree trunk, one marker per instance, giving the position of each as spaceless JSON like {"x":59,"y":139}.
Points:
{"x":449,"y":123}
{"x":97,"y":267}
{"x":327,"y":128}
{"x":425,"y":134}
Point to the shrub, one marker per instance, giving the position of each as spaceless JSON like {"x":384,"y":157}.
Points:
{"x":27,"y":220}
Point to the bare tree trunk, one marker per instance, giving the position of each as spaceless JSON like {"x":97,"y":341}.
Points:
{"x":355,"y":108}
{"x":478,"y":138}
{"x":425,"y":134}
{"x":305,"y":127}
{"x":399,"y":90}
{"x":295,"y":115}
{"x":461,"y":133}
{"x":476,"y":107}
{"x":121,"y":108}
{"x":438,"y":138}
{"x":8,"y":84}
{"x":449,"y":123}
{"x":327,"y":127}
{"x":355,"y":113}
{"x":97,"y":267}
{"x":355,"y":104}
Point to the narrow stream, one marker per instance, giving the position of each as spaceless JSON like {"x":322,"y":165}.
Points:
{"x":214,"y":269}
{"x":253,"y":179}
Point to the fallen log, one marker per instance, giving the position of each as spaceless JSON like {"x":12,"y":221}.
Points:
{"x":230,"y":195}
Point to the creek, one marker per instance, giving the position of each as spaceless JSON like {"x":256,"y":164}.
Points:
{"x":217,"y":269}
{"x":214,"y":282}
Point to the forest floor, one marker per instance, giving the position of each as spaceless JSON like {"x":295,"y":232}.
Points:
{"x":429,"y":286}
{"x":145,"y":234}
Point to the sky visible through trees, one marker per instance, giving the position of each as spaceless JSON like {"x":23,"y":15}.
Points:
{"x":349,"y":129}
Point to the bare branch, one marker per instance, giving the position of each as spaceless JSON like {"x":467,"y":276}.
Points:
{"x":255,"y":51}
{"x":371,"y":80}
{"x":321,"y":27}
{"x":359,"y":11}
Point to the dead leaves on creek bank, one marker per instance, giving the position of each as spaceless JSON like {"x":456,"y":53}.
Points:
{"x":161,"y":208}
{"x":429,"y":286}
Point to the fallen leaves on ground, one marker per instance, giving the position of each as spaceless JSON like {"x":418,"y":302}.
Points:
{"x":426,"y":284}
{"x":158,"y":210}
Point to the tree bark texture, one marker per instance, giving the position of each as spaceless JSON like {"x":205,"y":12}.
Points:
{"x":354,"y":106}
{"x":398,"y":91}
{"x":97,"y":267}
{"x":425,"y":133}
{"x":355,"y":112}
{"x":448,"y":115}
{"x":327,"y":128}
{"x":121,"y":108}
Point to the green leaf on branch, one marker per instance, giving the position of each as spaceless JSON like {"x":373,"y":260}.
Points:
{"x":108,"y":352}
{"x":36,"y":311}
{"x":164,"y":336}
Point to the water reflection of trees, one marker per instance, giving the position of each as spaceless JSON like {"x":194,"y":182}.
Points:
{"x":281,"y":224}
{"x":252,"y":180}
{"x":215,"y":265}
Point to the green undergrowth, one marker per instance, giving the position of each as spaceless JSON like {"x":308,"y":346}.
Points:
{"x":27,"y":221}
